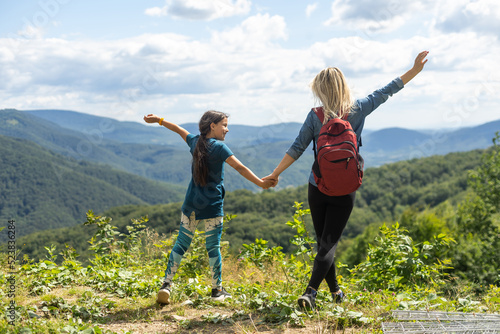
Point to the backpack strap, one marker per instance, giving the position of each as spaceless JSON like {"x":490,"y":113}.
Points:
{"x":321,"y":115}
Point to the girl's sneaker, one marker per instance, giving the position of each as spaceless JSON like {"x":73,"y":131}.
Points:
{"x":220,"y":294}
{"x":163,"y":294}
{"x":338,"y":297}
{"x":308,"y":299}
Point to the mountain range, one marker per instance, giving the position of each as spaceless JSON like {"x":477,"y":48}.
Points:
{"x":396,"y":144}
{"x":159,"y":154}
{"x":379,"y":147}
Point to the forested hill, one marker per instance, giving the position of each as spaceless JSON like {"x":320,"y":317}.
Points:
{"x":387,"y":191}
{"x":43,"y":190}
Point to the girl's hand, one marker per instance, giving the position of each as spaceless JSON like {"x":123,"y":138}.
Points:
{"x":151,"y":118}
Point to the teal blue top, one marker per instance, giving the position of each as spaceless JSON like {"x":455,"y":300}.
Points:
{"x":206,"y":202}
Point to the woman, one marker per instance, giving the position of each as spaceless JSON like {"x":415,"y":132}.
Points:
{"x":331,"y":213}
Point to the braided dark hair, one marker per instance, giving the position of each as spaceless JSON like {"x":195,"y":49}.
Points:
{"x":200,"y":153}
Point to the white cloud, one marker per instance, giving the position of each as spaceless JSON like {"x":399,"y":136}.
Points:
{"x":484,"y":8}
{"x":238,"y":70}
{"x":205,"y":10}
{"x":253,"y":34}
{"x":249,"y":71}
{"x":157,"y":11}
{"x":176,"y":75}
{"x":372,"y":16}
{"x":481,"y":16}
{"x":31,"y":32}
{"x":311,"y":8}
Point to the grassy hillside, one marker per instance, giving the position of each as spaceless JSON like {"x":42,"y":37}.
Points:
{"x":43,"y":190}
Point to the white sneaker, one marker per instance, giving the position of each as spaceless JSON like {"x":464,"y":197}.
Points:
{"x":163,"y":294}
{"x":220,"y":294}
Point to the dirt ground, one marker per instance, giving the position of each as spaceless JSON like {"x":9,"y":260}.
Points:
{"x":167,"y":320}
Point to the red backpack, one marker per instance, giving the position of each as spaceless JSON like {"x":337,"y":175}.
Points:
{"x":338,"y":167}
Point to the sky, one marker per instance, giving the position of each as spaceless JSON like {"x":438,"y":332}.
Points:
{"x":252,"y":59}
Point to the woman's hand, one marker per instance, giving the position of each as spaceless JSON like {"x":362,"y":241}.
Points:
{"x":420,"y":61}
{"x":417,"y":67}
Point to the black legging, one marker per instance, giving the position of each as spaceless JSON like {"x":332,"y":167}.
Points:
{"x":329,"y":215}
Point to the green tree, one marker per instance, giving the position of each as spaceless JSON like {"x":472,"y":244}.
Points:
{"x":475,"y":256}
{"x":485,"y":180}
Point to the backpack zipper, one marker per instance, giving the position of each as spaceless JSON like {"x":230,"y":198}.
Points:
{"x":336,"y":135}
{"x":344,"y":142}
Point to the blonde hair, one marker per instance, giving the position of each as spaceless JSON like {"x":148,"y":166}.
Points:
{"x":330,"y":87}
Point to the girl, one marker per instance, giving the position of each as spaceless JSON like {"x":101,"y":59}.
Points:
{"x":331,"y":213}
{"x":205,"y":195}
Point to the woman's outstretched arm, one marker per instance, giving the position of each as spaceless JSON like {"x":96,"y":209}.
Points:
{"x":417,"y":67}
{"x":286,"y":162}
{"x":152,"y":118}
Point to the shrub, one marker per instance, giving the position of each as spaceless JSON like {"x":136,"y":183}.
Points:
{"x":396,"y":262}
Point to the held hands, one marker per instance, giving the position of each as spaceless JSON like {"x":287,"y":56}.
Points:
{"x":151,"y":118}
{"x":270,"y":181}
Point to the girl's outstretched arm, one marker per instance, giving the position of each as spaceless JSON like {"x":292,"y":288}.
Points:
{"x":152,"y":118}
{"x":247,"y":173}
{"x":417,"y":67}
